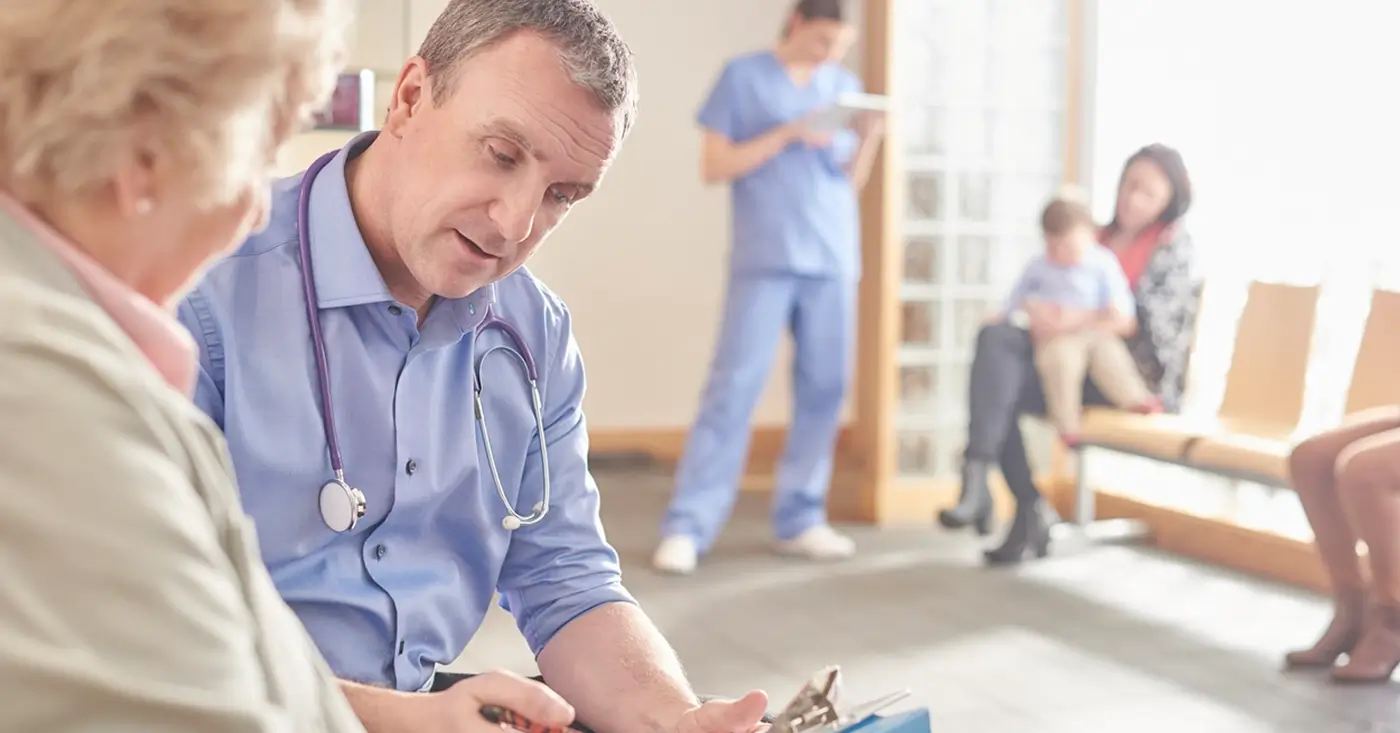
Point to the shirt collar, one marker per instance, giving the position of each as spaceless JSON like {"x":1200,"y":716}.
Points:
{"x":470,"y":311}
{"x":154,"y":330}
{"x":345,"y":273}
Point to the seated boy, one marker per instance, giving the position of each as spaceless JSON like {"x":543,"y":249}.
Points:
{"x":1066,"y":295}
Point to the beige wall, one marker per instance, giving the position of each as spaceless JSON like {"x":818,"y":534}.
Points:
{"x":641,"y":264}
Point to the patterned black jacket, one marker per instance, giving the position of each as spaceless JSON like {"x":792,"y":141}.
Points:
{"x":1168,"y":299}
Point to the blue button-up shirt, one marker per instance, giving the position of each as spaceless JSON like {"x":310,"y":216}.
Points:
{"x":796,"y":214}
{"x":1094,"y":283}
{"x":408,"y":588}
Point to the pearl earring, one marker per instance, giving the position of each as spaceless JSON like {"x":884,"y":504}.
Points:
{"x":145,"y":206}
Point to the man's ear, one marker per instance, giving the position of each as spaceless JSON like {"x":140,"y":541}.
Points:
{"x":412,"y":91}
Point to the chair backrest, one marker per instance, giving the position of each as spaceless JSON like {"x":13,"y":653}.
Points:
{"x":1268,"y":371}
{"x":1375,"y":378}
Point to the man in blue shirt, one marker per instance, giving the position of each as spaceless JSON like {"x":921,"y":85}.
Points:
{"x":394,"y":254}
{"x":794,"y":266}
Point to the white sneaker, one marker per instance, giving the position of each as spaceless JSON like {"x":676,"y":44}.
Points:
{"x":819,"y":543}
{"x":676,"y":555}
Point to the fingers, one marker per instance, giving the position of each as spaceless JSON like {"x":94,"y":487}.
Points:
{"x":513,"y":692}
{"x":798,"y":129}
{"x":748,"y":710}
{"x":735,"y":716}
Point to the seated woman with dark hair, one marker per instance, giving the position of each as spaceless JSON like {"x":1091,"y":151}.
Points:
{"x":1348,"y":480}
{"x":1156,"y":255}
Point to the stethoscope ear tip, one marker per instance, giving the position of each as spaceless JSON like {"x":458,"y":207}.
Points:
{"x":511,"y":523}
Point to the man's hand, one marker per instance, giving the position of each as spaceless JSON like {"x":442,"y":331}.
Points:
{"x":744,"y":715}
{"x":458,"y":708}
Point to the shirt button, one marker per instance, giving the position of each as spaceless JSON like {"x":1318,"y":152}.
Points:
{"x":379,"y":552}
{"x":395,"y":310}
{"x":411,"y":467}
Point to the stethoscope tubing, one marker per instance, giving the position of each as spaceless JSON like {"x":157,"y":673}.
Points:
{"x":516,"y":348}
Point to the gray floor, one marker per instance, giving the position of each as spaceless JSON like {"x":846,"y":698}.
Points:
{"x":1109,"y":639}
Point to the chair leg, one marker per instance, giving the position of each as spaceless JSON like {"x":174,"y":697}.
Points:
{"x":1083,"y":493}
{"x":1087,"y":529}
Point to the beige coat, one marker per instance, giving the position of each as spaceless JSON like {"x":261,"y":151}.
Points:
{"x":132,"y":595}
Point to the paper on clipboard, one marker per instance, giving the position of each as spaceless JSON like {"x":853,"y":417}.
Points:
{"x":847,"y":109}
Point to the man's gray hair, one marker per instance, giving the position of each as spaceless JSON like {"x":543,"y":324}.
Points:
{"x":590,"y":47}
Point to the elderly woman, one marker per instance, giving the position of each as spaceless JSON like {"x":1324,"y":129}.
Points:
{"x":1156,"y":255}
{"x":136,"y":143}
{"x":1346,"y":479}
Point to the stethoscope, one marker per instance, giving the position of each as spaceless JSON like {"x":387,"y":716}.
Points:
{"x":342,"y":505}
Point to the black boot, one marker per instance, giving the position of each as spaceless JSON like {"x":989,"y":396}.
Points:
{"x":975,"y":504}
{"x":1030,"y":532}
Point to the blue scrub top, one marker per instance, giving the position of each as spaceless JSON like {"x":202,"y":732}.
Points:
{"x":797,"y":214}
{"x":408,"y":588}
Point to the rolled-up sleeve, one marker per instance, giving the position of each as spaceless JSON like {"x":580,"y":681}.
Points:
{"x":563,"y":567}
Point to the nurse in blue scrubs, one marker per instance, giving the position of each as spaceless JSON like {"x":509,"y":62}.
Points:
{"x":794,"y":267}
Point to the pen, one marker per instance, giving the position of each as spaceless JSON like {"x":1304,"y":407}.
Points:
{"x":511,"y":719}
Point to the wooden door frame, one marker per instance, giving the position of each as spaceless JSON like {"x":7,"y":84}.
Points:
{"x":869,"y":489}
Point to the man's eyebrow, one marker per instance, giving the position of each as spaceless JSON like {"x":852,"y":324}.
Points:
{"x":504,"y":129}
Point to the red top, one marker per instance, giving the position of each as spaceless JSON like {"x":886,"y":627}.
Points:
{"x":1135,"y":256}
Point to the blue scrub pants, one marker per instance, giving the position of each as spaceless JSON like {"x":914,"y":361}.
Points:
{"x":820,"y":313}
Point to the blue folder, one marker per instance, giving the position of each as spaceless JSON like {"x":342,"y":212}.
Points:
{"x":913,"y":721}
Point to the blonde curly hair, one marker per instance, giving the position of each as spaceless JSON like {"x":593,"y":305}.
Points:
{"x":212,"y":87}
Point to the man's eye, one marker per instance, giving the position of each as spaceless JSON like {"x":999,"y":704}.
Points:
{"x":562,"y":197}
{"x":502,"y":159}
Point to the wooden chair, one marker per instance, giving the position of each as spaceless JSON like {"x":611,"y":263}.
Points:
{"x":1260,"y":453}
{"x":1375,"y":378}
{"x":1263,"y":387}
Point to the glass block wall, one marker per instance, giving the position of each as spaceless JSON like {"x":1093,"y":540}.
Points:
{"x":982,"y":91}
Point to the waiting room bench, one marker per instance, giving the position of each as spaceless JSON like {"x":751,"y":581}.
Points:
{"x":1374,"y":383}
{"x":1256,"y":426}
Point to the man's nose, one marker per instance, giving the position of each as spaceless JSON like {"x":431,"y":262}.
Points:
{"x":514,"y":216}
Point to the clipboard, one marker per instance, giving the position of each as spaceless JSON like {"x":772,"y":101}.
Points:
{"x":816,"y":709}
{"x":913,"y":721}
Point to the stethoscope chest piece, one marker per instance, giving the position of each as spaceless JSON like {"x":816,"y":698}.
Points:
{"x":342,"y":505}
